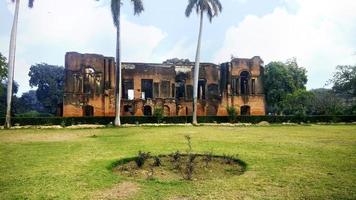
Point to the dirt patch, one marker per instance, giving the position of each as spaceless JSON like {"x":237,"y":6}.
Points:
{"x":170,"y":168}
{"x":121,"y":191}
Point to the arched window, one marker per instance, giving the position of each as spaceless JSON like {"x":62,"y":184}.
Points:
{"x":167,"y":111}
{"x":88,"y":111}
{"x":147,"y":110}
{"x":244,"y":83}
{"x":245,"y":110}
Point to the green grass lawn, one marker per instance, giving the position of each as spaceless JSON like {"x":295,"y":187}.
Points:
{"x":284,"y":162}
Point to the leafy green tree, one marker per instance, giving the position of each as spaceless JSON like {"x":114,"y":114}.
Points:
{"x":49,"y":80}
{"x":281,"y":79}
{"x":3,"y":97}
{"x":298,"y":102}
{"x":12,"y":53}
{"x":116,"y":14}
{"x":3,"y":67}
{"x":212,"y":8}
{"x":344,"y":80}
{"x":28,"y":102}
{"x":325,"y":102}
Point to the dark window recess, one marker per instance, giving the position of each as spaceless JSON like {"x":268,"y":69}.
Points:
{"x":147,"y":87}
{"x":235,"y":86}
{"x":201,"y":89}
{"x":109,"y":74}
{"x":127,"y":84}
{"x":173,"y":89}
{"x":253,"y":83}
{"x":189,"y":92}
{"x":128,"y":109}
{"x":155,"y":90}
{"x":147,"y":111}
{"x":165,"y":89}
{"x":245,"y":110}
{"x":88,"y":111}
{"x":180,"y":90}
{"x":244,"y":78}
{"x":213,"y":91}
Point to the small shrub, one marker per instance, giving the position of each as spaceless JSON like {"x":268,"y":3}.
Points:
{"x":189,"y":170}
{"x":176,"y":159}
{"x":141,"y":158}
{"x":158,"y":113}
{"x":157,"y":161}
{"x":232,"y":112}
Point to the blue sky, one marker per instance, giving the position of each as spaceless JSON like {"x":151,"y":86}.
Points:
{"x":320,"y":35}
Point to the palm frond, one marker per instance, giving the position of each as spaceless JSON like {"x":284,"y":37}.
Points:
{"x":190,"y":7}
{"x":115,"y":11}
{"x":138,"y":6}
{"x":30,"y":3}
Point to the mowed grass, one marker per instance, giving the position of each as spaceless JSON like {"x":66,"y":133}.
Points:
{"x":284,"y":162}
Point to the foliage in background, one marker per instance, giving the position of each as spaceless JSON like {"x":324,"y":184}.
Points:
{"x":344,"y":80}
{"x":158,"y":112}
{"x":49,"y":80}
{"x":281,"y":79}
{"x":3,"y":96}
{"x":232,"y":112}
{"x":298,"y":103}
{"x":325,"y":102}
{"x":3,"y":67}
{"x":28,"y":103}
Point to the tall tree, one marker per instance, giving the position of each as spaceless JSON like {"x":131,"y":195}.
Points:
{"x":116,"y":13}
{"x":212,"y":8}
{"x":49,"y":80}
{"x":344,"y":81}
{"x":12,"y":52}
{"x":281,"y":79}
{"x":3,"y":67}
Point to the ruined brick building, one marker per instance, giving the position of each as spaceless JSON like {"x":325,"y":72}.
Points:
{"x":90,"y":87}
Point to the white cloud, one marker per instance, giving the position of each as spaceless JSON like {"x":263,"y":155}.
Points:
{"x":319,"y":34}
{"x":53,"y":27}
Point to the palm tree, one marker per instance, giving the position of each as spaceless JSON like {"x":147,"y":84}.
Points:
{"x":12,"y":52}
{"x":212,"y":9}
{"x":116,"y":11}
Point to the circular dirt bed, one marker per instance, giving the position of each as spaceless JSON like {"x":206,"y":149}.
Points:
{"x":180,"y":166}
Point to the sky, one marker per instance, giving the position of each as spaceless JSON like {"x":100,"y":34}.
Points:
{"x":319,"y":34}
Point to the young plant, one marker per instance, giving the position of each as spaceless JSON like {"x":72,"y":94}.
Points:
{"x":141,"y":158}
{"x":176,"y":159}
{"x":158,"y":113}
{"x":189,"y":170}
{"x":157,"y":161}
{"x":188,"y":138}
{"x":232,"y":113}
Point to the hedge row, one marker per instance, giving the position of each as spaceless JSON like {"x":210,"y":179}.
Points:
{"x":67,"y":121}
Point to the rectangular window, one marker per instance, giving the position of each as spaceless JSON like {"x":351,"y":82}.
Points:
{"x":156,"y":90}
{"x":189,"y":92}
{"x":165,"y":89}
{"x":173,"y":91}
{"x":201,"y":89}
{"x":253,"y":86}
{"x":147,"y":88}
{"x":127,"y":84}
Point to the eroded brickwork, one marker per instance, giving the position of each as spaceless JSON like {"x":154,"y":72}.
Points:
{"x":90,"y":87}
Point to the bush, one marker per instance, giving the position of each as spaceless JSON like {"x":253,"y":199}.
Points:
{"x":67,"y":121}
{"x":158,"y":114}
{"x":141,"y":158}
{"x":232,"y":112}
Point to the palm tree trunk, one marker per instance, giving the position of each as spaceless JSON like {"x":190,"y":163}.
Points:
{"x":196,"y":71}
{"x":118,"y":73}
{"x":12,"y":51}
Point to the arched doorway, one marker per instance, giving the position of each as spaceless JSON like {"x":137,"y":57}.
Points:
{"x":211,"y":110}
{"x":245,"y":110}
{"x":88,"y":111}
{"x":167,"y":111}
{"x":244,"y":82}
{"x":147,"y":110}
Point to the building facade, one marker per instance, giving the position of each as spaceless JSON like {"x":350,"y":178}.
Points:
{"x":90,"y":87}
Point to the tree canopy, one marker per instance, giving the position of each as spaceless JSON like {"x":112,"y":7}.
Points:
{"x":344,"y":80}
{"x":3,"y":67}
{"x":49,"y":80}
{"x":281,"y":79}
